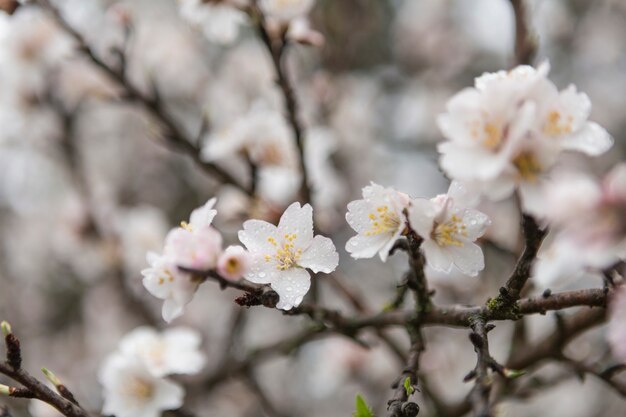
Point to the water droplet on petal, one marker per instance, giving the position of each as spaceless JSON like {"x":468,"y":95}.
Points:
{"x":261,"y":274}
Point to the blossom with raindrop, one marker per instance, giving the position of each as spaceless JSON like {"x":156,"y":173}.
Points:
{"x":281,"y":255}
{"x":378,"y":220}
{"x":449,"y":232}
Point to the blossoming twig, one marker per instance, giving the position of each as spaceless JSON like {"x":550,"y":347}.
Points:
{"x":32,"y":388}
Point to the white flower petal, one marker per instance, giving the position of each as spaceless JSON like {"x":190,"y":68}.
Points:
{"x":437,"y":258}
{"x":422,"y":214}
{"x":168,"y":395}
{"x":361,"y":246}
{"x":357,"y":215}
{"x":298,"y":220}
{"x":172,"y":310}
{"x":384,"y":251}
{"x":592,"y":140}
{"x":320,"y":256}
{"x":468,"y":258}
{"x":475,"y":222}
{"x":203,"y":216}
{"x":263,"y":271}
{"x":292,"y":285}
{"x":255,"y":236}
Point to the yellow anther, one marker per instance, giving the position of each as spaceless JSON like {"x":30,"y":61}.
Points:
{"x":493,"y":136}
{"x":271,"y":240}
{"x":383,"y":222}
{"x":267,"y":258}
{"x":555,"y":125}
{"x":528,"y":166}
{"x":186,"y":226}
{"x":450,"y":232}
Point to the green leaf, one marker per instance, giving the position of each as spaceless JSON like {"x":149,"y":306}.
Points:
{"x":362,"y":410}
{"x":408,"y":387}
{"x":512,"y":373}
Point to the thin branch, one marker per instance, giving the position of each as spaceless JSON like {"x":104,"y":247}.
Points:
{"x":525,"y":40}
{"x":552,"y":345}
{"x":277,"y":48}
{"x":480,"y":393}
{"x":533,"y":237}
{"x":604,"y":375}
{"x":41,"y":392}
{"x":153,"y":105}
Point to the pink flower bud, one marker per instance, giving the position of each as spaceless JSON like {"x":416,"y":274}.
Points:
{"x":233,"y":263}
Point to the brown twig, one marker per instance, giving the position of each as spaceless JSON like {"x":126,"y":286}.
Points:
{"x":525,"y":41}
{"x":277,"y":48}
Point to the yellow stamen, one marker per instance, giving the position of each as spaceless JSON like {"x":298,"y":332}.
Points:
{"x":528,"y":166}
{"x":449,"y":233}
{"x":383,"y":221}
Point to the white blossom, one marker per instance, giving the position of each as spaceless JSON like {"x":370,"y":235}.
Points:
{"x":262,"y":134}
{"x":195,"y":245}
{"x":281,"y":253}
{"x":589,"y":221}
{"x":448,"y":232}
{"x":164,"y":280}
{"x":378,"y":219}
{"x":130,"y":390}
{"x":174,"y":351}
{"x":508,"y":131}
{"x":219,"y":21}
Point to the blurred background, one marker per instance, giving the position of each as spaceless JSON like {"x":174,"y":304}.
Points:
{"x":88,"y":184}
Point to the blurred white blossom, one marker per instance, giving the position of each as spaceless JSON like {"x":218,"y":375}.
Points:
{"x":219,"y":21}
{"x":130,"y":390}
{"x":589,"y":221}
{"x":174,"y":351}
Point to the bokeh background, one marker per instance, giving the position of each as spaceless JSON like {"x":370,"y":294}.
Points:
{"x":87,"y":186}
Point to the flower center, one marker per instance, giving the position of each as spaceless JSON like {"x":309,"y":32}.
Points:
{"x":528,"y":166}
{"x":557,"y":125}
{"x":490,"y":134}
{"x":232,"y":266}
{"x":383,"y":221}
{"x":286,"y":256}
{"x":166,"y":275}
{"x":139,"y":388}
{"x":449,"y":233}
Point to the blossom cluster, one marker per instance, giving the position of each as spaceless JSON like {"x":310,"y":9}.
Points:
{"x":194,"y":246}
{"x":447,"y":226}
{"x":507,"y":132}
{"x":275,"y":255}
{"x":133,"y":377}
